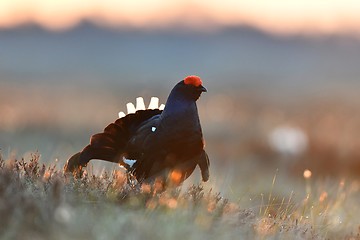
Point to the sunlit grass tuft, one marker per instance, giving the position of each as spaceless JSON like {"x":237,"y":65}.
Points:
{"x":40,"y":202}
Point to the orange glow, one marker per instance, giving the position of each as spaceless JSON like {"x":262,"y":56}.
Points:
{"x":307,"y":174}
{"x":119,"y":179}
{"x":172,"y":203}
{"x":146,"y":188}
{"x":47,"y":175}
{"x":265,"y":226}
{"x":323,"y":196}
{"x":279,"y":16}
{"x":175,"y":176}
{"x":158,"y":185}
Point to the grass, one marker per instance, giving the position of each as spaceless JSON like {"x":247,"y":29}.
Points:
{"x":40,"y":202}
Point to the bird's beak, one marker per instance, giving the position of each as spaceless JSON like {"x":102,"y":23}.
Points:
{"x":202,"y":88}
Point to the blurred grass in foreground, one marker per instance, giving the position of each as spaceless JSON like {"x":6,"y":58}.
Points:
{"x":38,"y":202}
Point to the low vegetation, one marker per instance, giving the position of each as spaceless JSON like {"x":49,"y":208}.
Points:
{"x":40,"y":202}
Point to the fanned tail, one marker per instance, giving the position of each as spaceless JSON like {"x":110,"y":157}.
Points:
{"x":110,"y":144}
{"x":107,"y":146}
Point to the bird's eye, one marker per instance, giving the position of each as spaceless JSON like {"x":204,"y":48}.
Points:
{"x":153,"y":129}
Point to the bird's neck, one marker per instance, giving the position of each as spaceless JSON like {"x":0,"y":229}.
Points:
{"x":180,"y":111}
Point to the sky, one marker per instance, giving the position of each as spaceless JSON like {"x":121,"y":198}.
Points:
{"x":275,"y":16}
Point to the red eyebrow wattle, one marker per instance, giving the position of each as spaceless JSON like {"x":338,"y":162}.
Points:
{"x":193,"y":80}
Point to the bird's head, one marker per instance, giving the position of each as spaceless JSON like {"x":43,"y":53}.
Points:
{"x":191,"y":87}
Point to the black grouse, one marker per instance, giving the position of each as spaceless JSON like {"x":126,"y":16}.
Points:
{"x":163,"y":142}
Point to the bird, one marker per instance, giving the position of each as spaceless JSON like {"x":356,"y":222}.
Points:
{"x":162,"y":142}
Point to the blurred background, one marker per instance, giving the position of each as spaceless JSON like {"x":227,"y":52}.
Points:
{"x":282,"y":77}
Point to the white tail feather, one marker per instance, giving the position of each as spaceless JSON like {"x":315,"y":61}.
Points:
{"x":130,"y":108}
{"x":154,"y":103}
{"x":140,"y":105}
{"x":121,"y":114}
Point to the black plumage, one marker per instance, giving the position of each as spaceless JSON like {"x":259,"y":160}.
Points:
{"x":161,"y":142}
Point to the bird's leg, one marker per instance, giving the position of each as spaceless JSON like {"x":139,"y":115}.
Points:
{"x":204,"y":163}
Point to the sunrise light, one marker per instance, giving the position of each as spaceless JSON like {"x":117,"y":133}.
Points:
{"x":277,"y":16}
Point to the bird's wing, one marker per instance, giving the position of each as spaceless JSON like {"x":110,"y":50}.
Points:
{"x":143,"y":135}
